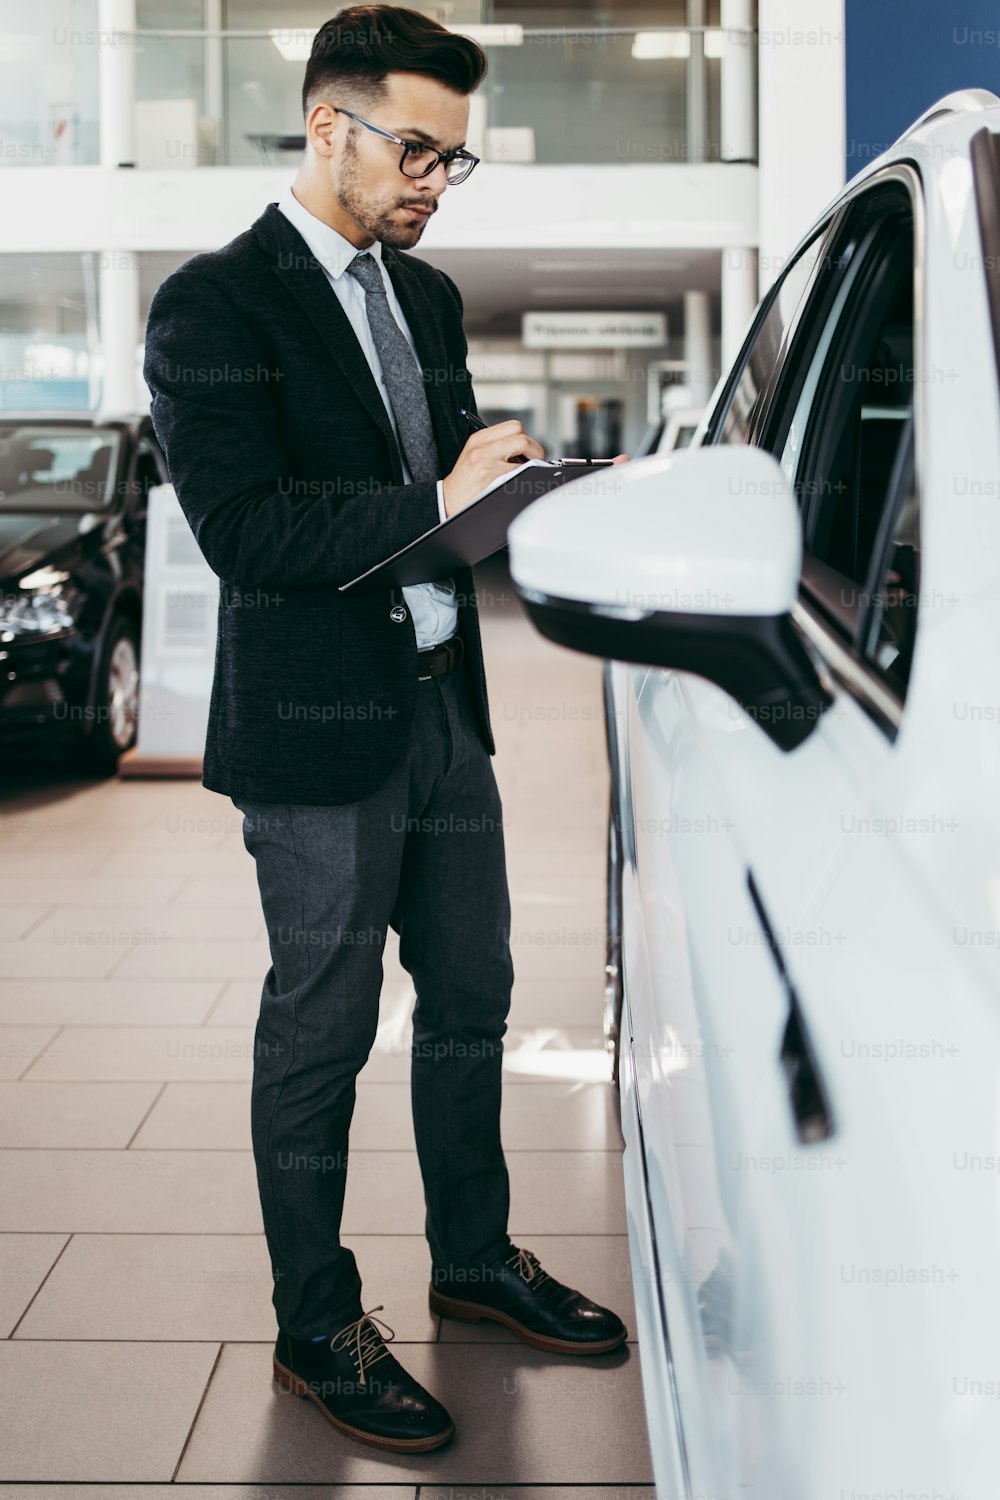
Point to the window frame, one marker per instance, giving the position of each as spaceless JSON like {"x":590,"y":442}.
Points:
{"x":720,"y":411}
{"x":843,"y":651}
{"x":842,"y":655}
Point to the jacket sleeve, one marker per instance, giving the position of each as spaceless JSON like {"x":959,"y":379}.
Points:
{"x":221,"y":438}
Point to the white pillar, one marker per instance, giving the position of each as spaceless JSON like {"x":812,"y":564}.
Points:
{"x":738,"y":126}
{"x":214,"y":103}
{"x":739,"y":298}
{"x":802,"y":122}
{"x":116,"y":77}
{"x":698,"y":346}
{"x":118,"y":316}
{"x":697,"y":84}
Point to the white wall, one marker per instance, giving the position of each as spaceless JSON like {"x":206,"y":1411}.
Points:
{"x":643,"y":206}
{"x":802,"y":121}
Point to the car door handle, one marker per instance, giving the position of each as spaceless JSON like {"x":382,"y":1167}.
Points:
{"x":806,"y":1091}
{"x":810,"y":1107}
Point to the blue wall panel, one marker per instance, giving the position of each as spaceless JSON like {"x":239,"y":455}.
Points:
{"x":902,"y":55}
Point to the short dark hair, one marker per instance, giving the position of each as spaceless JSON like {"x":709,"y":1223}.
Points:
{"x":358,"y":46}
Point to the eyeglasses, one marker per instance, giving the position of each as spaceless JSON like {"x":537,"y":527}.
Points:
{"x":420,"y":161}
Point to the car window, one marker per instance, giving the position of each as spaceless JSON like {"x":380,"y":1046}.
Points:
{"x":148,"y":471}
{"x":843,"y":430}
{"x":51,"y":468}
{"x":734,"y":418}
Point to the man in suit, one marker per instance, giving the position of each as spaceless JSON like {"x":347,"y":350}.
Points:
{"x":307,"y":381}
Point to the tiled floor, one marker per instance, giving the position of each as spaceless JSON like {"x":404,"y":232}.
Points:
{"x":135,"y":1290}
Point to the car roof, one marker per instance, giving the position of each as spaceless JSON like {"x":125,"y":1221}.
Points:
{"x":934,"y":140}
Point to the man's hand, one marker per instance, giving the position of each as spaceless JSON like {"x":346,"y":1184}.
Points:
{"x":621,"y":458}
{"x":486,"y":457}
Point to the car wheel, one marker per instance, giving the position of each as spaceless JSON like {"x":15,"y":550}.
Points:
{"x":116,"y":701}
{"x":613,"y":951}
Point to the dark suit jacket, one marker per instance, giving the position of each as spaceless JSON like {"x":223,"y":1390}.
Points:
{"x":284,"y":462}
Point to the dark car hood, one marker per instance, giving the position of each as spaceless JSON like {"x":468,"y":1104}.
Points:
{"x":29,"y":540}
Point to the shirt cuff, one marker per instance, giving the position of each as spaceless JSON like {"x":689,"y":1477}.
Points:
{"x":440,"y":494}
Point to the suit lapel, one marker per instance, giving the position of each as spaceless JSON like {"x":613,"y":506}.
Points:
{"x":301,"y":274}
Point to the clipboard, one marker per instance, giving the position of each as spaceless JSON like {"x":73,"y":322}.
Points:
{"x":478,"y":530}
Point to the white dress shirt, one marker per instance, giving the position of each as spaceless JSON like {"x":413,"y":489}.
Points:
{"x":432,"y":605}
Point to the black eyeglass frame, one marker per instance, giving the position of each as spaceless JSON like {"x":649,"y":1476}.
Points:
{"x":409,"y":147}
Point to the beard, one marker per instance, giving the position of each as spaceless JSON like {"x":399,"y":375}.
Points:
{"x":375,"y":218}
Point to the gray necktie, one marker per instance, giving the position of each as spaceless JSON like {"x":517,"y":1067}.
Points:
{"x":403,"y":379}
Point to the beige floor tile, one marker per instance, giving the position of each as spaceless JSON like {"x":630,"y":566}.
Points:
{"x":550,"y":948}
{"x":148,"y":1053}
{"x":239,"y":889}
{"x":207,"y":1287}
{"x":224,"y":1492}
{"x":61,"y":960}
{"x":596,"y":1265}
{"x":97,"y":1115}
{"x":239,"y":1003}
{"x":129,"y":1192}
{"x":194,"y":838}
{"x":196,"y":959}
{"x":99,"y":890}
{"x":574,"y":1003}
{"x":528,"y":881}
{"x":521,"y":1417}
{"x":545,"y":1053}
{"x":20,"y":1046}
{"x":198,"y":1117}
{"x":225,"y":1053}
{"x":575,"y":1192}
{"x":216,"y":1117}
{"x":566,"y":1192}
{"x":135,"y":858}
{"x":384,"y":1195}
{"x":107,"y":1002}
{"x":17,"y":919}
{"x":101,"y":1411}
{"x":542,"y":1492}
{"x":25,"y":1259}
{"x":561,"y":1117}
{"x":152,"y":922}
{"x":383,"y":1118}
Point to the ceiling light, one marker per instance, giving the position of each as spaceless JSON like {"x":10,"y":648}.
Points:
{"x":493,"y":35}
{"x":294,"y":46}
{"x":649,"y":45}
{"x":654,"y":45}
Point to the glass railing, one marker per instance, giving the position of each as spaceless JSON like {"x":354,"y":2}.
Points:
{"x":552,"y":95}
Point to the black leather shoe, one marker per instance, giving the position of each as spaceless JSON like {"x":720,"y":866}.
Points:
{"x":361,"y":1388}
{"x":516,"y":1292}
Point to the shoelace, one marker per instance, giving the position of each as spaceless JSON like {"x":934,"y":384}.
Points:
{"x":369,"y":1344}
{"x":527,"y":1266}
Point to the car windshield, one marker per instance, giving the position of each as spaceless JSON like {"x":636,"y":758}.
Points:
{"x":56,"y":468}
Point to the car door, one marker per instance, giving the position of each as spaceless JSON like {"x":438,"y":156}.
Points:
{"x":893,"y":1247}
{"x":736,"y":844}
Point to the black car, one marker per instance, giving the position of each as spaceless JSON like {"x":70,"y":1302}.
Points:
{"x":72,"y":542}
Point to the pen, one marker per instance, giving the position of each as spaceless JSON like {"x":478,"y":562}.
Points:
{"x":480,"y":425}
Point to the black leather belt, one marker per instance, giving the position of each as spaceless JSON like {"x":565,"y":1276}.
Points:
{"x":435,"y":661}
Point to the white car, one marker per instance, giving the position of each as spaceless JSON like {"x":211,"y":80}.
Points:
{"x":806,"y":853}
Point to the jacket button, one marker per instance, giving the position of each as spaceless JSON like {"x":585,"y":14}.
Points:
{"x":397,"y":613}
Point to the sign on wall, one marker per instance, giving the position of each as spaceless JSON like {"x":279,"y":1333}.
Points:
{"x":593,"y":330}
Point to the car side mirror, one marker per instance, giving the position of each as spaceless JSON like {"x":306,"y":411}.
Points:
{"x":689,"y":561}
